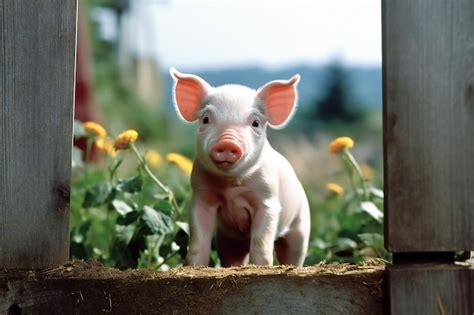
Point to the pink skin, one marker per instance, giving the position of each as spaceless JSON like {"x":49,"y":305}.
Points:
{"x":226,"y":152}
{"x":244,"y":191}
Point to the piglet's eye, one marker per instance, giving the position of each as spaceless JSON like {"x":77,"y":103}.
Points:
{"x":256,"y":123}
{"x":205,"y":120}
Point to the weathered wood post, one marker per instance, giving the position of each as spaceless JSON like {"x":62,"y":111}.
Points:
{"x":428,"y":72}
{"x":37,"y":60}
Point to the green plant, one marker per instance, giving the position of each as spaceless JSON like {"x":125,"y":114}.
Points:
{"x":355,"y":223}
{"x":132,"y":221}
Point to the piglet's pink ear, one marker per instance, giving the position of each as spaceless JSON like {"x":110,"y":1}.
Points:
{"x":188,"y":92}
{"x":279,"y":99}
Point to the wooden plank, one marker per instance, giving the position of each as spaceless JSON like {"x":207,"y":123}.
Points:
{"x":428,"y":80}
{"x":37,"y":60}
{"x":82,"y":288}
{"x":430,"y":289}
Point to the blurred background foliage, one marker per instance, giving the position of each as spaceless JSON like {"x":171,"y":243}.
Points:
{"x":126,"y":89}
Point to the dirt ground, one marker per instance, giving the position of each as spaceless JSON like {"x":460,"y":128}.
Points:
{"x":95,"y":270}
{"x":86,"y":286}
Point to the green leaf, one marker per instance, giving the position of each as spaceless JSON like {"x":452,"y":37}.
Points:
{"x":371,"y":239}
{"x":97,"y":195}
{"x":130,"y":185}
{"x":78,"y":232}
{"x":154,"y":243}
{"x":161,"y":196}
{"x":376,"y":241}
{"x":174,"y":247}
{"x":378,"y":193}
{"x":372,"y":210}
{"x":165,"y":207}
{"x":121,"y":207}
{"x":319,"y":243}
{"x":84,"y":227}
{"x":124,"y":233}
{"x":77,"y":158}
{"x":98,"y":253}
{"x":156,"y":222}
{"x":165,"y":249}
{"x":77,"y":238}
{"x":183,"y":226}
{"x":78,"y":130}
{"x":128,"y":218}
{"x":345,"y":243}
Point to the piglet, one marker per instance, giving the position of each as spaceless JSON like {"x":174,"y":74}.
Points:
{"x":243,"y":190}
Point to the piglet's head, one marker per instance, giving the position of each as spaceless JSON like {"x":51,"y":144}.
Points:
{"x":232,"y":118}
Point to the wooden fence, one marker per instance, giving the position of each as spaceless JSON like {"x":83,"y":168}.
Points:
{"x":428,"y":80}
{"x":37,"y":57}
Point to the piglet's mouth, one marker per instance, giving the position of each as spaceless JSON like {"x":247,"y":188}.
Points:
{"x":224,"y":165}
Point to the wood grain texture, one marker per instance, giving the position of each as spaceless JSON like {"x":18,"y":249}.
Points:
{"x":428,"y":77}
{"x":79,"y":288}
{"x":324,"y":295}
{"x":37,"y":61}
{"x":426,"y":289}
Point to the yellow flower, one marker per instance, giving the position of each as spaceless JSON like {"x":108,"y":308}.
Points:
{"x":182,"y":162}
{"x":153,"y":158}
{"x":340,"y":143}
{"x":335,"y":189}
{"x":106,"y":145}
{"x":367,"y":171}
{"x":94,"y":129}
{"x":124,"y":139}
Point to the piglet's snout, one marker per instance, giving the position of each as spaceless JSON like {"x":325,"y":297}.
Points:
{"x":226,"y":152}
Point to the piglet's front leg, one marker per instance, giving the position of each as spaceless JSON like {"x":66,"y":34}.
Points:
{"x":202,"y":219}
{"x":263,"y":232}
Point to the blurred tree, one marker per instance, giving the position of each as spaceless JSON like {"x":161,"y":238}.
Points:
{"x":117,"y":5}
{"x":335,"y":104}
{"x":115,"y":87}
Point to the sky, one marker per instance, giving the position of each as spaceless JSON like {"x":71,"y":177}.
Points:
{"x":210,"y":34}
